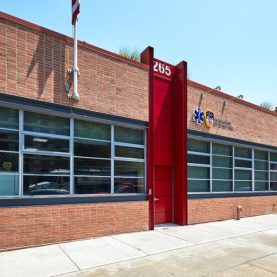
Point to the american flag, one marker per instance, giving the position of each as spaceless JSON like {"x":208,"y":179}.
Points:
{"x":75,"y":10}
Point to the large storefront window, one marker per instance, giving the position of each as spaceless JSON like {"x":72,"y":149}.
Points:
{"x":215,"y":167}
{"x":46,"y":155}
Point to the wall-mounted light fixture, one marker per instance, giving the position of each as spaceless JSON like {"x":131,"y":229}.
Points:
{"x":226,"y":101}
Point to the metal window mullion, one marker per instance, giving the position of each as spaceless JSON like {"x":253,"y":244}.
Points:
{"x":269,"y":170}
{"x":20,"y":158}
{"x":129,"y":159}
{"x":253,"y":171}
{"x":71,"y":151}
{"x":233,"y":170}
{"x":112,"y":159}
{"x":90,"y":139}
{"x":129,"y":145}
{"x":211,"y":167}
{"x":47,"y":135}
{"x":46,"y":153}
{"x":145,"y":161}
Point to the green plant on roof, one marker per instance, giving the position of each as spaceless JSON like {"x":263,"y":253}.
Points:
{"x":132,"y":54}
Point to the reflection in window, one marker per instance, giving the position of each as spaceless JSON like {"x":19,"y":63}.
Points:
{"x":35,"y":164}
{"x":36,"y":143}
{"x":129,"y":185}
{"x":43,"y":123}
{"x":92,"y":185}
{"x":46,"y":185}
{"x":95,"y":167}
{"x":126,"y":135}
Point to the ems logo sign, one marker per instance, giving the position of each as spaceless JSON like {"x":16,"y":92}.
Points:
{"x":199,"y":117}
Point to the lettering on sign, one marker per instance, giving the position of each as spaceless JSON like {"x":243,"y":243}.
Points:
{"x":162,"y":68}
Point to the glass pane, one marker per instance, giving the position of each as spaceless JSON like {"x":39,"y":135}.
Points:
{"x":273,"y":176}
{"x":219,"y":186}
{"x":261,"y":175}
{"x":243,"y":163}
{"x":129,"y":152}
{"x":8,"y":118}
{"x":129,"y":185}
{"x":220,"y":173}
{"x":46,"y":165}
{"x":198,"y":146}
{"x":222,"y":149}
{"x":260,"y":155}
{"x":243,"y":174}
{"x":92,"y":185}
{"x":198,"y":172}
{"x":45,"y":185}
{"x":197,"y":159}
{"x":273,"y":166}
{"x":261,"y":165}
{"x":8,"y":184}
{"x":222,"y":161}
{"x":46,"y":144}
{"x":8,"y":162}
{"x":273,"y":157}
{"x":260,"y":186}
{"x":92,"y":130}
{"x":242,"y":186}
{"x":132,"y":169}
{"x":127,"y":135}
{"x":43,"y":123}
{"x":92,"y":167}
{"x":243,"y":152}
{"x":8,"y":140}
{"x":91,"y":148}
{"x":198,"y":185}
{"x":273,"y":185}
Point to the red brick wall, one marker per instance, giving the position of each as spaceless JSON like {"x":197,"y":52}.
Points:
{"x":28,"y":226}
{"x":249,"y":123}
{"x":34,"y":63}
{"x":207,"y":210}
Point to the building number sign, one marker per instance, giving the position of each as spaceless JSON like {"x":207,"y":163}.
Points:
{"x":162,"y":68}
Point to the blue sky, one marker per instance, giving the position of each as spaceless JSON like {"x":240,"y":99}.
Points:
{"x":228,"y":43}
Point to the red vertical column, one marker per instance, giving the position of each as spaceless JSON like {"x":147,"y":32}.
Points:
{"x":180,"y":185}
{"x":147,"y":57}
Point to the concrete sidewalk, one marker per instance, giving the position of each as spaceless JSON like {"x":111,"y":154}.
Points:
{"x":228,"y":248}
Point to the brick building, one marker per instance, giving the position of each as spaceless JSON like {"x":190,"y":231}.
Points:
{"x":143,"y":146}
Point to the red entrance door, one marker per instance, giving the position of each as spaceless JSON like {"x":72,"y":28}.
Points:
{"x":163,"y":204}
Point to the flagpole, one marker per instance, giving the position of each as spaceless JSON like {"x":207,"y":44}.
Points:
{"x":75,"y":94}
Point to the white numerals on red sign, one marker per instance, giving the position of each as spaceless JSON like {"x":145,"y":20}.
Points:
{"x":162,"y":68}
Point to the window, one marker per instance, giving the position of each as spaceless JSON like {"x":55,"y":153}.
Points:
{"x":92,"y":158}
{"x":47,"y":155}
{"x":243,"y":169}
{"x":9,"y":152}
{"x":129,"y":161}
{"x":222,"y":174}
{"x":273,"y":171}
{"x":199,"y":158}
{"x":261,"y":170}
{"x":216,"y":167}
